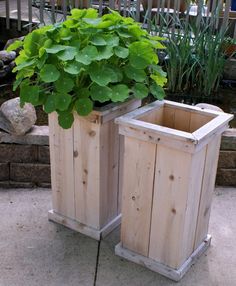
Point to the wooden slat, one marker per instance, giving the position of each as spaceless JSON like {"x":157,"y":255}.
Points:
{"x":62,"y":168}
{"x":8,"y":14}
{"x":137,"y":7}
{"x":139,"y":163}
{"x":182,"y":120}
{"x":41,"y":13}
{"x":19,"y":15}
{"x":169,"y":117}
{"x":86,"y":164}
{"x":64,"y":8}
{"x":197,"y":121}
{"x":155,"y":117}
{"x":109,"y":170}
{"x":208,"y":186}
{"x":226,"y":14}
{"x":53,"y":15}
{"x":121,"y":167}
{"x":30,"y":14}
{"x":176,"y":190}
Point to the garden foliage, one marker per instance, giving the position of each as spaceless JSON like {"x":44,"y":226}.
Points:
{"x":69,"y":66}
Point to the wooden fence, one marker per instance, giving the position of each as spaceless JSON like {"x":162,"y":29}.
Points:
{"x":146,"y":11}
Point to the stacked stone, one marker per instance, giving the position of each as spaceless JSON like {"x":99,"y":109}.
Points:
{"x":7,"y":63}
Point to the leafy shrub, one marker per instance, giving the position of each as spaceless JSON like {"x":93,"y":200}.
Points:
{"x":69,"y":66}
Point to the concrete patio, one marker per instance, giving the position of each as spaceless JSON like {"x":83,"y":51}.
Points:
{"x":36,"y":252}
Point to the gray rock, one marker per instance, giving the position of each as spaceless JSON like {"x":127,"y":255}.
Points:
{"x":1,"y":64}
{"x":7,"y":57}
{"x":17,"y":120}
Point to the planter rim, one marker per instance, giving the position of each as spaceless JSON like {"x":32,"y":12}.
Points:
{"x":218,"y":123}
{"x":110,"y":111}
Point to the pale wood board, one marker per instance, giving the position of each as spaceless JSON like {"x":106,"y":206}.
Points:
{"x":172,"y":177}
{"x":192,"y":204}
{"x":208,"y":185}
{"x":82,"y":228}
{"x":109,"y":171}
{"x":155,"y":117}
{"x":182,"y":120}
{"x":139,"y":163}
{"x":62,"y":168}
{"x":169,"y":272}
{"x":169,"y":117}
{"x":87,"y":176}
{"x":197,"y":121}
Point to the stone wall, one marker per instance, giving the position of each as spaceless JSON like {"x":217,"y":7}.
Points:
{"x":25,"y":160}
{"x":226,"y":174}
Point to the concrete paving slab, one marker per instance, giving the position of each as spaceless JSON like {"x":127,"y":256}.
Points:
{"x":36,"y":252}
{"x":217,"y":267}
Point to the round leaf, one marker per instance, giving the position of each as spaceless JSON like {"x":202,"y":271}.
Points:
{"x":120,"y":92}
{"x":87,"y":55}
{"x":121,"y":52}
{"x":67,"y":54}
{"x":101,"y":74}
{"x":62,"y":101}
{"x":64,"y":84}
{"x":104,"y":53}
{"x":135,"y":74}
{"x":83,"y":106}
{"x":100,"y":93}
{"x":98,"y":41}
{"x":49,"y":105}
{"x":65,"y":119}
{"x":73,"y":68}
{"x":140,"y":90}
{"x":56,"y":49}
{"x":49,"y":73}
{"x":29,"y":94}
{"x":157,"y":91}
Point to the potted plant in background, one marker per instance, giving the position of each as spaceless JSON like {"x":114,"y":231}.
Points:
{"x":70,"y":69}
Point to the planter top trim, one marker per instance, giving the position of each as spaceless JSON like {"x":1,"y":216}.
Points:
{"x":190,"y":128}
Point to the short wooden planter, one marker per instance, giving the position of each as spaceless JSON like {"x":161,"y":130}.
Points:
{"x":169,"y":167}
{"x":85,"y":171}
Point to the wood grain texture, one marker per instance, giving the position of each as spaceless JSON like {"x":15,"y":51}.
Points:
{"x":62,"y":168}
{"x":208,"y":185}
{"x":139,"y":163}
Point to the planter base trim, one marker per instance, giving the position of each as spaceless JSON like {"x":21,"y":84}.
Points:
{"x":82,"y":228}
{"x":171,"y":273}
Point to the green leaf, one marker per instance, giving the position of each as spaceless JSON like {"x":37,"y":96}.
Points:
{"x":87,"y":55}
{"x":17,"y":82}
{"x":82,"y":92}
{"x":15,"y":45}
{"x":65,"y":119}
{"x":73,"y":68}
{"x":56,"y":49}
{"x":49,"y":73}
{"x":26,"y":63}
{"x":62,"y":101}
{"x":77,"y":13}
{"x":83,"y":106}
{"x":92,"y":22}
{"x":159,"y":80}
{"x":68,"y":54}
{"x":157,"y":91}
{"x":64,"y":84}
{"x":140,"y":90}
{"x":112,"y":40}
{"x":49,"y":105}
{"x":141,"y":55}
{"x":101,"y":74}
{"x":121,"y":52}
{"x":135,"y":74}
{"x":104,"y":53}
{"x":42,"y":61}
{"x":98,"y":41}
{"x":29,"y":93}
{"x":120,"y":92}
{"x":100,"y":93}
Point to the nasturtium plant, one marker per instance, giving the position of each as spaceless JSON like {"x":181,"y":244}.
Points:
{"x":69,"y":66}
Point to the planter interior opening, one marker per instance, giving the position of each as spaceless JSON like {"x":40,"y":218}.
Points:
{"x":182,"y":119}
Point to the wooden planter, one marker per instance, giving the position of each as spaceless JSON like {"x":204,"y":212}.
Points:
{"x":169,"y":167}
{"x":85,"y":171}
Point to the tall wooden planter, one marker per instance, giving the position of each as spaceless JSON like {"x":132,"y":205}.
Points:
{"x":85,"y":171}
{"x":170,"y":160}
